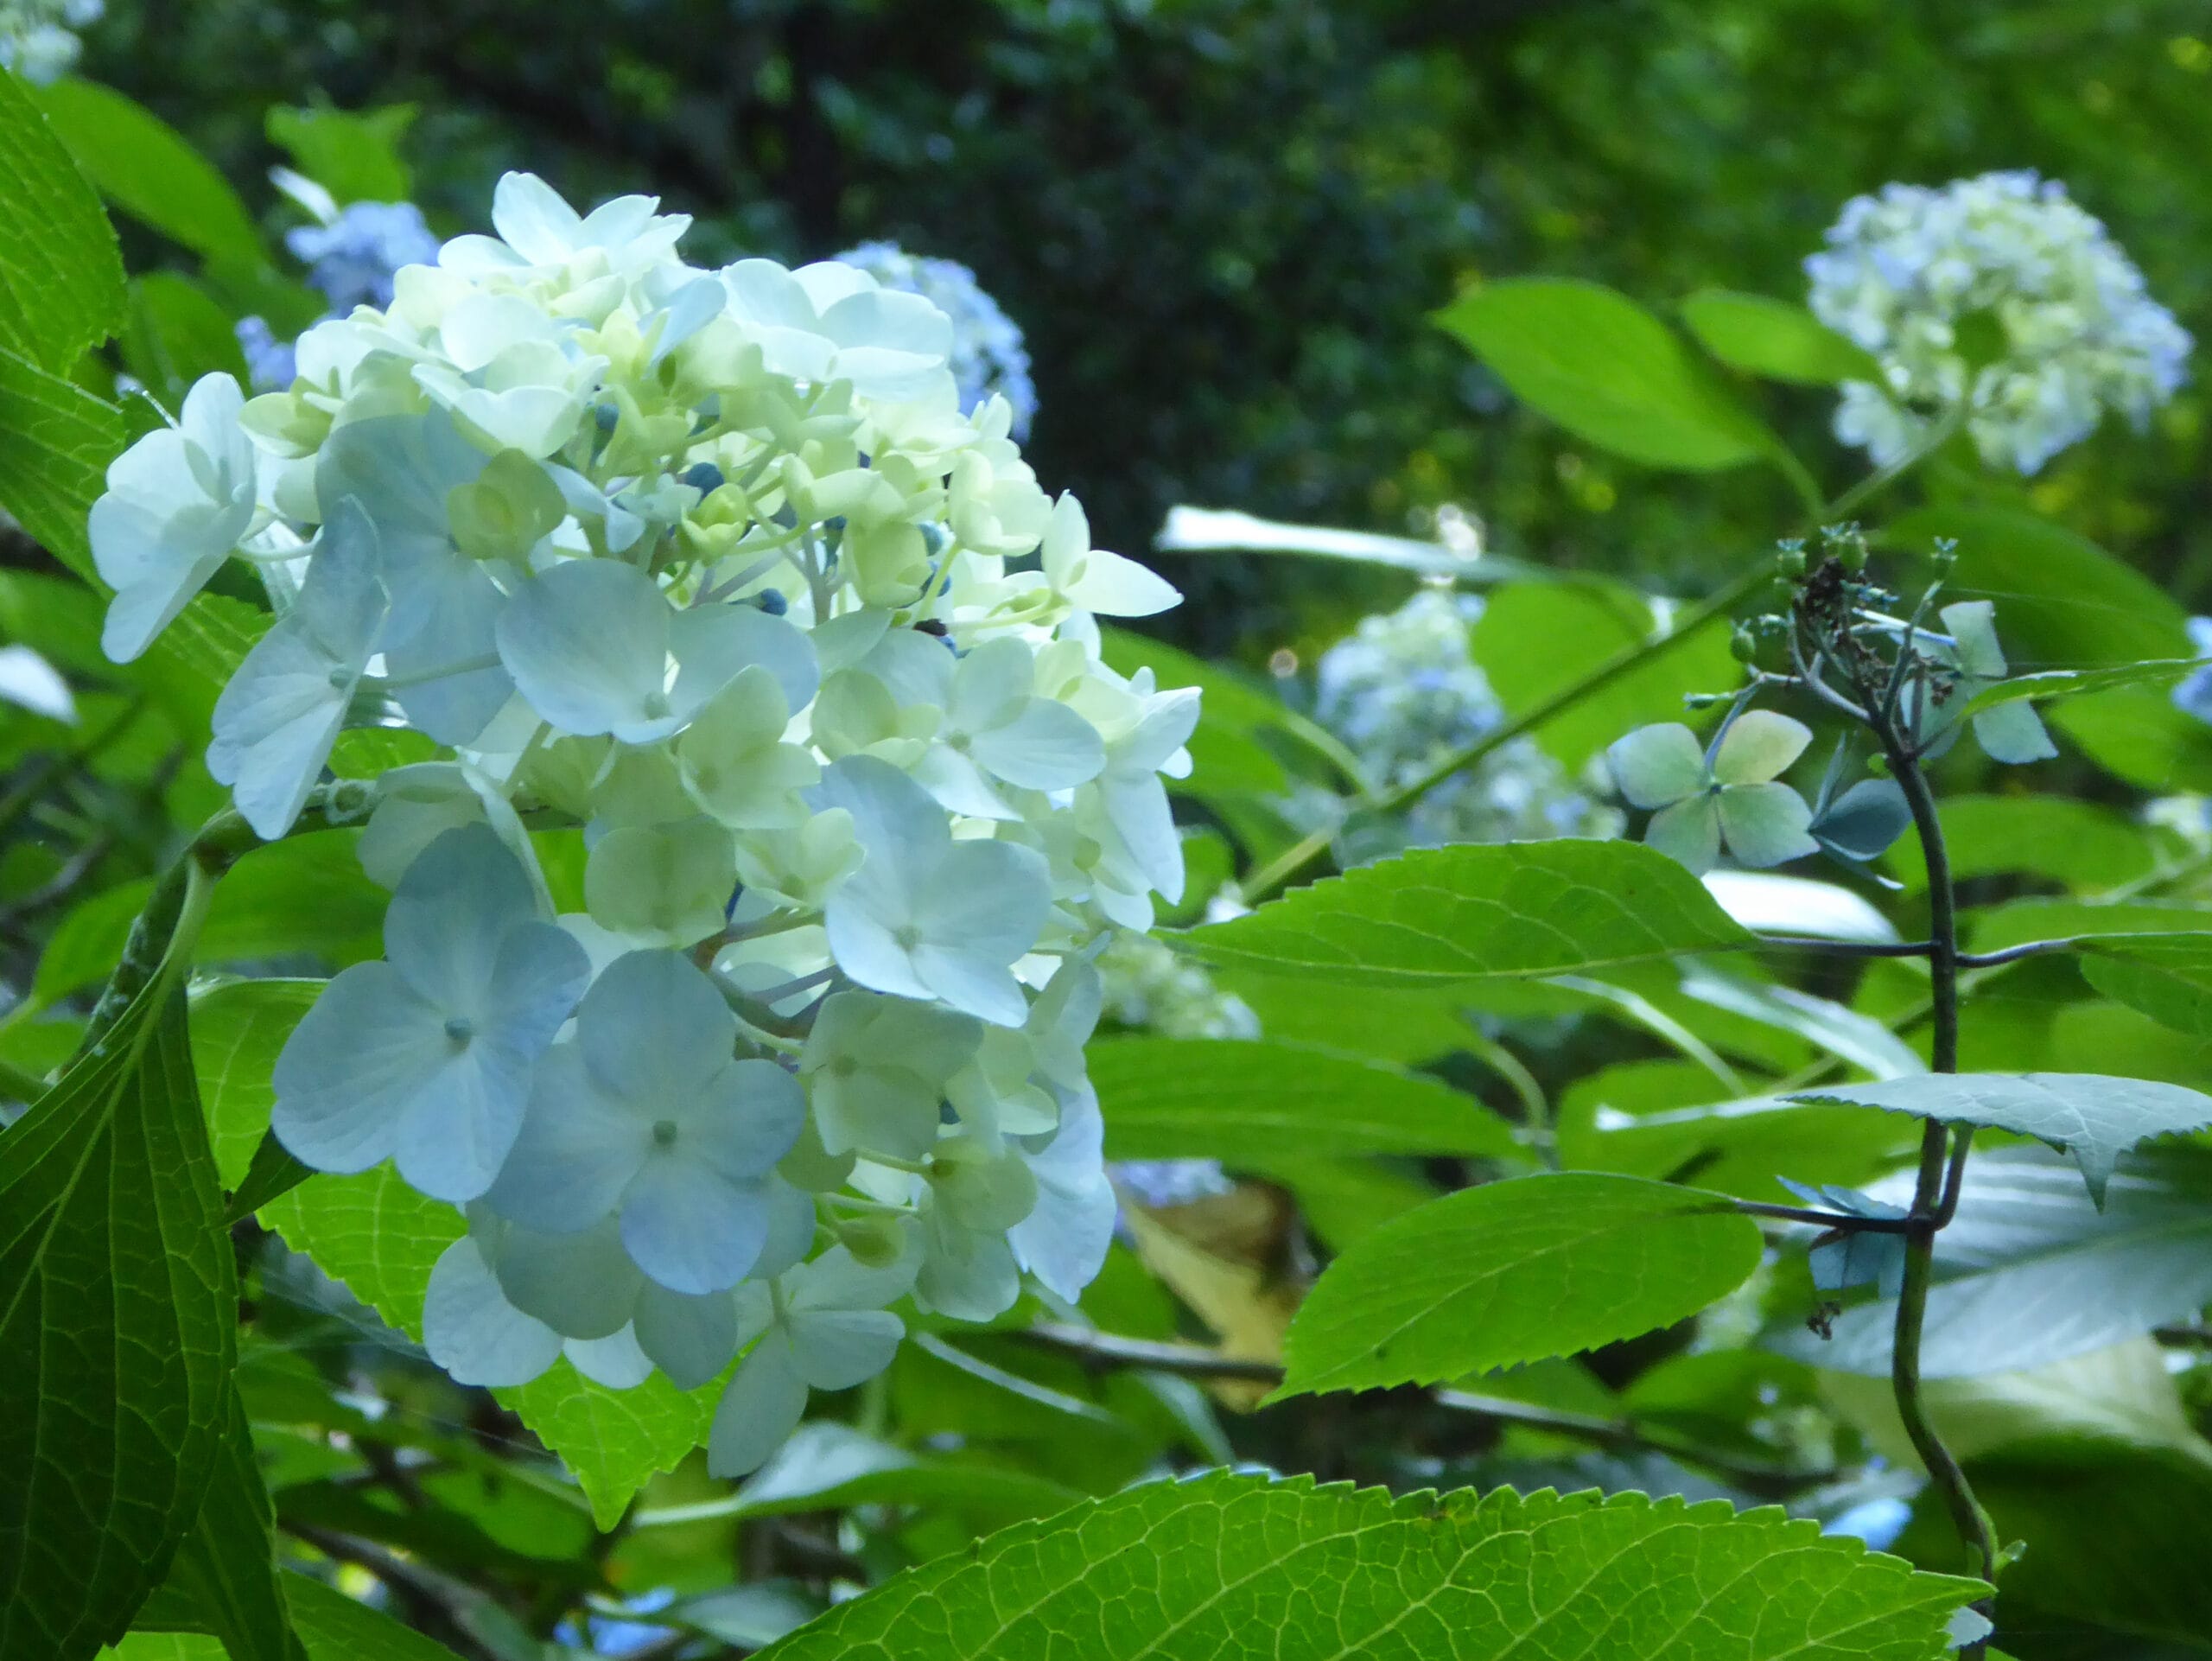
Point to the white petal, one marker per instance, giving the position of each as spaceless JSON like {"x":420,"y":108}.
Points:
{"x":616,"y":1361}
{"x":587,"y":643}
{"x":835,"y":1349}
{"x":1765,"y":825}
{"x":1689,"y":832}
{"x":582,"y":1285}
{"x":1064,"y":1241}
{"x":742,"y":1122}
{"x":690,"y":1338}
{"x":1759,"y":745}
{"x":690,"y":1229}
{"x":473,"y":1332}
{"x":763,"y":1405}
{"x":576,"y":1152}
{"x":713,"y":644}
{"x":1048,"y":747}
{"x":1657,"y":766}
{"x":361,"y":1055}
{"x":654,"y":1029}
{"x":454,"y":909}
{"x":1115,"y":587}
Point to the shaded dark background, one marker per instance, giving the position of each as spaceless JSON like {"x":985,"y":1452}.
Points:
{"x":1223,"y":222}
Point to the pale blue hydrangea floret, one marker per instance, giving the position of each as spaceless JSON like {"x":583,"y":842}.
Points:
{"x":987,"y":356}
{"x":2194,"y":693}
{"x":1913,"y":275}
{"x":38,"y":38}
{"x":354,"y":258}
{"x":714,"y":568}
{"x":1403,"y":690}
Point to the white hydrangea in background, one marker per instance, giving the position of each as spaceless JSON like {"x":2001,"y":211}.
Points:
{"x":1403,"y":692}
{"x":1997,"y":290}
{"x":714,"y":565}
{"x":987,"y":357}
{"x":38,"y":38}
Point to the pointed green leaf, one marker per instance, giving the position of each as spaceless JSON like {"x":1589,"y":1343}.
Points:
{"x":1515,"y":1271}
{"x":338,"y":1628}
{"x":225,"y":1580}
{"x":56,"y":440}
{"x":119,"y":1310}
{"x":1255,"y":1103}
{"x":1536,"y":640}
{"x":144,"y":166}
{"x":2092,"y":1115}
{"x":1607,"y":370}
{"x":1774,"y":339}
{"x":60,"y":275}
{"x":1239,"y":1568}
{"x":1439,"y":915}
{"x":2168,"y":978}
{"x":239,"y":1028}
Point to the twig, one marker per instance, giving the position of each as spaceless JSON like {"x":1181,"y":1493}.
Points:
{"x":1105,"y":1352}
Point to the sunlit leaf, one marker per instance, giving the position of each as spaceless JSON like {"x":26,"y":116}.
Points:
{"x":1515,"y":1271}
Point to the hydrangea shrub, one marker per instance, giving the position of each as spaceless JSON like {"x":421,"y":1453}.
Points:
{"x":714,"y":565}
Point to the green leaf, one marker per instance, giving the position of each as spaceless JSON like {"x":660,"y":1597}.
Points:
{"x":118,"y":1321}
{"x":223,"y":1581}
{"x":1515,"y":1271}
{"x":2062,"y":602}
{"x":2069,"y":683}
{"x":1607,"y":370}
{"x":304,"y":894}
{"x":2168,"y":978}
{"x":1251,"y":1104}
{"x":381,"y":1238}
{"x":1535,"y":639}
{"x":2025,"y":921}
{"x":60,"y":275}
{"x":144,"y":166}
{"x":56,"y":440}
{"x":1440,"y":915}
{"x":273,"y":1172}
{"x":2030,"y":1272}
{"x":1775,"y":339}
{"x":2093,"y":1116}
{"x":337,"y":1628}
{"x":237,"y":1029}
{"x":355,"y":156}
{"x":177,"y":333}
{"x":615,"y":1440}
{"x":2078,"y":843}
{"x":1228,"y":1566}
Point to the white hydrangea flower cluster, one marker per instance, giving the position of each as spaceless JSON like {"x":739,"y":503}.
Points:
{"x":988,"y":358}
{"x":1403,"y":692}
{"x":38,"y":38}
{"x":711,"y":564}
{"x":2067,"y":331}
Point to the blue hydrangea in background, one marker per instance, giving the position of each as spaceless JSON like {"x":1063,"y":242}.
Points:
{"x":2068,"y":331}
{"x":352,"y":260}
{"x":38,"y":38}
{"x":987,"y":355}
{"x":1403,"y":692}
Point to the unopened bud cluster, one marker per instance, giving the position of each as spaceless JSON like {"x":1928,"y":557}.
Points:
{"x":712,"y":564}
